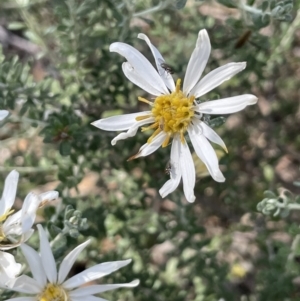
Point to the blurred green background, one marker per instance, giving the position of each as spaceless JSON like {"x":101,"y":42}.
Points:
{"x":57,"y":76}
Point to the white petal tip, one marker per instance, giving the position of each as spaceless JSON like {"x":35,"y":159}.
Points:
{"x":141,"y":36}
{"x":252,"y":100}
{"x":113,"y":142}
{"x":191,"y":199}
{"x":218,"y":177}
{"x":203,"y":32}
{"x":134,"y":283}
{"x":113,"y":47}
{"x":14,"y":174}
{"x":162,"y":193}
{"x":96,"y":123}
{"x":3,"y":114}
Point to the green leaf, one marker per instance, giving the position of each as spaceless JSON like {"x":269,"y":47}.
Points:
{"x":228,"y":3}
{"x":16,"y":26}
{"x":180,"y":4}
{"x":65,"y":148}
{"x":265,"y":5}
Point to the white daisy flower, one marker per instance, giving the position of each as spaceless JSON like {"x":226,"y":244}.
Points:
{"x":15,"y":228}
{"x":9,"y":269}
{"x":3,"y":114}
{"x":48,"y":285}
{"x":175,"y":111}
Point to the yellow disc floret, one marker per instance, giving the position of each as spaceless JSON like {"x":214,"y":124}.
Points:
{"x":53,"y":292}
{"x":2,"y":220}
{"x":5,"y":215}
{"x":172,"y":113}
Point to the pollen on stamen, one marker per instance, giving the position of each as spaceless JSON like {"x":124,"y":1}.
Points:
{"x":142,"y":99}
{"x":143,"y":117}
{"x":157,"y":131}
{"x":5,"y":215}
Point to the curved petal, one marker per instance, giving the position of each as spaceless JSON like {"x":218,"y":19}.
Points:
{"x":175,"y":174}
{"x":141,"y":65}
{"x":197,"y":61}
{"x":9,"y":192}
{"x":47,"y":197}
{"x":28,"y":212}
{"x":211,"y":135}
{"x":16,"y":242}
{"x":132,"y":130}
{"x":119,"y":122}
{"x":207,"y":154}
{"x":149,"y":148}
{"x":25,"y":284}
{"x":3,"y":114}
{"x":9,"y":267}
{"x":226,"y":105}
{"x":140,"y":81}
{"x":188,"y":172}
{"x":12,"y":225}
{"x":95,"y":272}
{"x":35,"y":264}
{"x":47,"y":257}
{"x":216,"y":77}
{"x":166,"y":76}
{"x":96,"y":289}
{"x":68,"y":262}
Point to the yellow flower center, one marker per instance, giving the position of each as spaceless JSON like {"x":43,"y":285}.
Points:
{"x":2,"y":220}
{"x":173,"y":114}
{"x":2,"y":235}
{"x":53,"y":292}
{"x":5,"y":215}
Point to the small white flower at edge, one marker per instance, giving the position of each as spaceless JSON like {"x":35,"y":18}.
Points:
{"x":175,"y":111}
{"x":3,"y":114}
{"x":49,"y":285}
{"x":16,"y":228}
{"x":9,"y":269}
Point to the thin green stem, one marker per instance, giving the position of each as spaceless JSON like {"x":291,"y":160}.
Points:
{"x":152,"y":10}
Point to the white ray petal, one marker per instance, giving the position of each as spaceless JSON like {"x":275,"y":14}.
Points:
{"x":47,"y":257}
{"x":16,"y":243}
{"x":207,"y":154}
{"x":226,"y":105}
{"x":187,"y":168}
{"x":96,"y":289}
{"x":8,"y":266}
{"x":12,"y":225}
{"x":119,"y":122}
{"x":166,"y":76}
{"x":35,"y":264}
{"x":141,"y":65}
{"x":3,"y":114}
{"x":132,"y":130}
{"x":211,"y":135}
{"x":28,"y":211}
{"x":175,"y":173}
{"x":197,"y":61}
{"x":25,"y":284}
{"x":68,"y":262}
{"x":216,"y":77}
{"x":149,"y":148}
{"x":47,"y":197}
{"x":95,"y":272}
{"x":9,"y":192}
{"x":140,"y":81}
